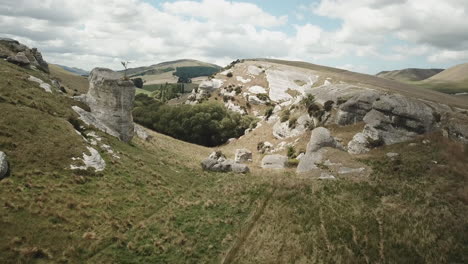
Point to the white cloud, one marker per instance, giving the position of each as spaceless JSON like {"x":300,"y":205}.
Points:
{"x":104,"y":32}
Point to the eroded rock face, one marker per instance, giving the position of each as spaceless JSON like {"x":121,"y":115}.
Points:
{"x":4,"y":169}
{"x":19,"y":59}
{"x":354,"y":110}
{"x":110,"y":99}
{"x":20,"y":54}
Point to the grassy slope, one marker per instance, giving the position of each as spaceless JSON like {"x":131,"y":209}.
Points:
{"x":155,"y":205}
{"x":74,"y":82}
{"x":411,"y":74}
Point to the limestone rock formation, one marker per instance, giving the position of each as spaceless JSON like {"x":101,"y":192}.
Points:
{"x":320,"y":138}
{"x":354,"y":110}
{"x":19,"y":59}
{"x":4,"y":168}
{"x":274,"y":161}
{"x":217,"y":162}
{"x":20,"y":54}
{"x":94,"y":160}
{"x":243,"y":155}
{"x":110,"y":99}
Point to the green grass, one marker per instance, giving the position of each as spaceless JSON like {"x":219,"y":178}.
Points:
{"x":443,"y":87}
{"x":142,"y":91}
{"x":155,"y":204}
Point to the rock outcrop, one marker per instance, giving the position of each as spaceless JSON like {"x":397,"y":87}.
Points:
{"x":393,"y":118}
{"x":217,"y":162}
{"x":110,"y":99}
{"x":94,"y":160}
{"x":4,"y":168}
{"x":274,"y":161}
{"x":354,"y":110}
{"x":20,"y":54}
{"x":320,"y":138}
{"x":243,"y":155}
{"x":141,"y":133}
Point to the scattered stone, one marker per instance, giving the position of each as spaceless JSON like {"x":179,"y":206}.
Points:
{"x":141,"y":133}
{"x":326,"y":176}
{"x":19,"y":59}
{"x":392,"y":154}
{"x":94,"y":160}
{"x":243,"y":155}
{"x":41,"y":83}
{"x":329,"y":163}
{"x":257,"y":90}
{"x":309,"y":162}
{"x":266,"y":147}
{"x":426,"y":141}
{"x":4,"y":168}
{"x":242,"y":80}
{"x":217,"y":162}
{"x":274,"y":161}
{"x":412,"y":144}
{"x":346,"y":170}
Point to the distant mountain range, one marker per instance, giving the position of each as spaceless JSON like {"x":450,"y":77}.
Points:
{"x":74,"y":70}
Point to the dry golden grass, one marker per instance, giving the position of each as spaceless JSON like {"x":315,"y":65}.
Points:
{"x":72,"y":82}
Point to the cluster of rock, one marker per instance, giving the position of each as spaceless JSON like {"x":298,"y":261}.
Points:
{"x":20,"y":54}
{"x":217,"y":162}
{"x":4,"y":167}
{"x":204,"y":91}
{"x":110,"y":98}
{"x":274,"y":161}
{"x":320,"y":138}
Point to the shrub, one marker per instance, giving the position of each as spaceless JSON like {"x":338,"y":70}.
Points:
{"x":291,"y":152}
{"x":328,"y":105}
{"x":292,"y":122}
{"x":229,"y":74}
{"x":308,"y":101}
{"x":285,"y":115}
{"x":260,"y":145}
{"x":268,"y":112}
{"x":238,"y":89}
{"x":263,"y":97}
{"x":292,"y":163}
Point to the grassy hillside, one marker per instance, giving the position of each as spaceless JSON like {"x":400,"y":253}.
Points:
{"x":72,"y":82}
{"x":458,"y":73}
{"x":409,"y":75}
{"x":163,"y":72}
{"x":155,"y":205}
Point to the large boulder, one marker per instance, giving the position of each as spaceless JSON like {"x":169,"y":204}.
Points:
{"x":4,"y":168}
{"x":243,"y":155}
{"x":217,"y":162}
{"x":320,"y":138}
{"x":110,"y":99}
{"x":274,"y":161}
{"x":19,"y":59}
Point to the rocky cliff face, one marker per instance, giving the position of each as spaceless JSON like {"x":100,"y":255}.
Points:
{"x":110,"y":99}
{"x":20,"y":54}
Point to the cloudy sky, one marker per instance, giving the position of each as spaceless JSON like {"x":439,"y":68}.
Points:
{"x":360,"y":35}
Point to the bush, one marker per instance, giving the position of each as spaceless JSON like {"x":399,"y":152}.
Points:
{"x":238,"y":89}
{"x":292,"y":163}
{"x":328,"y":105}
{"x":229,"y":74}
{"x":263,"y":97}
{"x":285,"y":115}
{"x":292,"y":122}
{"x":291,"y":152}
{"x":138,"y":82}
{"x":209,"y":124}
{"x":268,"y":112}
{"x":308,"y":101}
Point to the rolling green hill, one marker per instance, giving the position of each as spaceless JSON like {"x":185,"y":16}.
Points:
{"x":154,"y":204}
{"x":409,"y":75}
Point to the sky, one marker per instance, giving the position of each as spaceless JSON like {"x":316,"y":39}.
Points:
{"x":366,"y":36}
